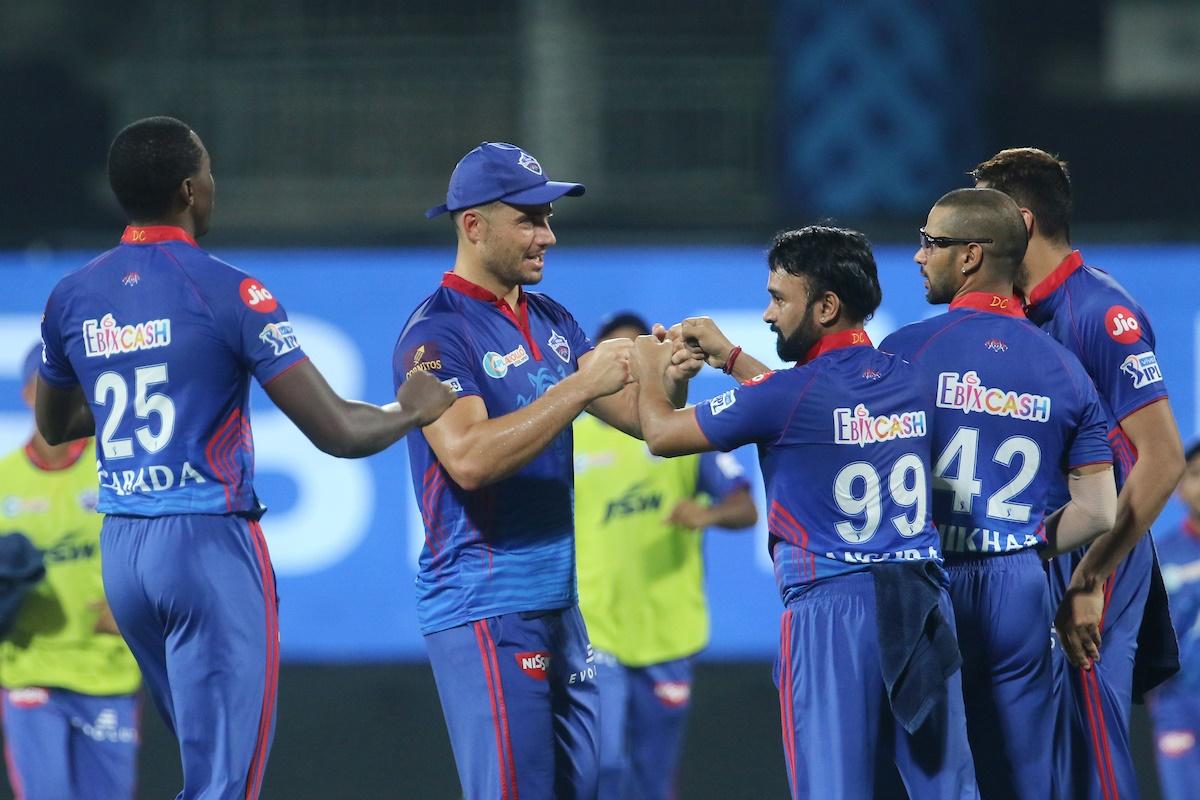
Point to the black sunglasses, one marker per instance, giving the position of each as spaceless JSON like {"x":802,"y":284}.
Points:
{"x":929,"y":242}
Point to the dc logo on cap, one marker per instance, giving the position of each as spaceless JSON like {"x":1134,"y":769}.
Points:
{"x":530,"y":163}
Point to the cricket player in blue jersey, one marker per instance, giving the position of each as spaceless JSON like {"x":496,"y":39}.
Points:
{"x":1003,"y":433}
{"x":1175,"y":706}
{"x":496,"y":596}
{"x":150,"y":347}
{"x":868,"y":664}
{"x":1112,"y":617}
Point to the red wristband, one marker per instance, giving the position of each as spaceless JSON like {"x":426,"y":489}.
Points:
{"x":733,"y":354}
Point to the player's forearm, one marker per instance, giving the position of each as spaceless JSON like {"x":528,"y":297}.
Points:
{"x":1090,"y":512}
{"x":1141,"y":500}
{"x":63,"y":415}
{"x":620,"y":410}
{"x":746,"y":366}
{"x":362,"y":429}
{"x":494,"y":449}
{"x":664,"y":427}
{"x":735,"y":512}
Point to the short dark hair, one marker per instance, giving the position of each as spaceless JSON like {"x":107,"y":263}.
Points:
{"x":621,"y":319}
{"x":834,"y":260}
{"x":988,"y":214}
{"x":146,"y":163}
{"x":1037,"y":181}
{"x":1192,"y":451}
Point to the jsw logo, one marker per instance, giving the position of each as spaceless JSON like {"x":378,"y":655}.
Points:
{"x":632,"y":501}
{"x":68,"y":548}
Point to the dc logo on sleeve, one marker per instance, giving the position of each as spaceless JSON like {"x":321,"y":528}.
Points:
{"x":1142,"y":369}
{"x":1122,"y":325}
{"x":454,"y":384}
{"x":558,"y":343}
{"x":280,"y":336}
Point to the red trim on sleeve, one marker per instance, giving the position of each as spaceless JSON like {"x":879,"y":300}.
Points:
{"x":284,"y":371}
{"x":156,"y":234}
{"x":1190,"y":528}
{"x":1090,"y":463}
{"x":1055,"y":279}
{"x":855,"y":337}
{"x":1004,"y":305}
{"x":1146,"y":404}
{"x":520,"y":317}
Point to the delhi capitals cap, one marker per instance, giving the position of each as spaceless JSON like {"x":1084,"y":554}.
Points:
{"x":499,"y":171}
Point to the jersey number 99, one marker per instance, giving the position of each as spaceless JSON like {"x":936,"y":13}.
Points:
{"x":858,"y":491}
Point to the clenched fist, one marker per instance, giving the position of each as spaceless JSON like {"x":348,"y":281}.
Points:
{"x":425,"y":397}
{"x":609,"y":368}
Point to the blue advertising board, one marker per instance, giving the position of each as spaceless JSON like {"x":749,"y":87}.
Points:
{"x":344,"y":534}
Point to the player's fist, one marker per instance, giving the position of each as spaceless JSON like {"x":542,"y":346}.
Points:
{"x":1078,"y":624}
{"x":425,"y":397}
{"x":690,"y":514}
{"x":609,"y":367}
{"x":653,"y":357}
{"x":703,"y":336}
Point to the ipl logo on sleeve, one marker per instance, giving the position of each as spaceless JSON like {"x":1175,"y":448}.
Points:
{"x":280,"y":336}
{"x":1142,"y":368}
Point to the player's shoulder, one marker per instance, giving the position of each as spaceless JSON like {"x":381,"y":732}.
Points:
{"x":13,"y":461}
{"x":440,"y":313}
{"x":547,"y":306}
{"x":1093,"y":291}
{"x":905,"y":339}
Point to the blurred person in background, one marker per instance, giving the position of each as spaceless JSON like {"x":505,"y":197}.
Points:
{"x":1111,"y":615}
{"x":151,"y":347}
{"x":496,"y":594}
{"x":70,"y":714}
{"x":639,"y":534}
{"x":1003,"y":434}
{"x":1175,"y":706}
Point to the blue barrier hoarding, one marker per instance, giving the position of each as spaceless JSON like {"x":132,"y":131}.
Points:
{"x":344,"y":534}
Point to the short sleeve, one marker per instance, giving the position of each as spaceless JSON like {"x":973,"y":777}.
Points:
{"x":268,"y":343}
{"x":754,"y":412}
{"x":720,"y":475}
{"x":55,"y":368}
{"x":1119,"y":355}
{"x":438,"y":346}
{"x":579,"y":342}
{"x":1089,"y":443}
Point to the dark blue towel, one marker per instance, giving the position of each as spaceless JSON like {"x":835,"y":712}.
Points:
{"x":20,"y":568}
{"x":1157,"y":655}
{"x":918,"y":650}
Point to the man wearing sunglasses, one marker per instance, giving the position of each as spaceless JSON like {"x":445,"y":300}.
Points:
{"x":1112,"y":605}
{"x":1002,"y":433}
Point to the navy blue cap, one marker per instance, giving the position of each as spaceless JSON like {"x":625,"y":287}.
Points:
{"x":29,"y":367}
{"x":499,"y":171}
{"x":621,"y":319}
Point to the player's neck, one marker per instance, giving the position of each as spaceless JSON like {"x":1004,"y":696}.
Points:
{"x":1042,"y":257}
{"x":985,"y":284}
{"x":471,"y":270}
{"x":183,"y":221}
{"x":52,"y":456}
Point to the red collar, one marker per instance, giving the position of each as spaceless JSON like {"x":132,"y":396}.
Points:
{"x":520,"y":317}
{"x":855,"y":337}
{"x":74,"y":453}
{"x":156,"y":234}
{"x":1055,"y":279}
{"x":1004,"y":305}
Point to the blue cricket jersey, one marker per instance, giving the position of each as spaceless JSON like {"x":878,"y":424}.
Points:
{"x":1179,"y":557}
{"x":844,"y":445}
{"x":1093,"y":317}
{"x":1013,"y":411}
{"x":509,"y":546}
{"x":163,"y":337}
